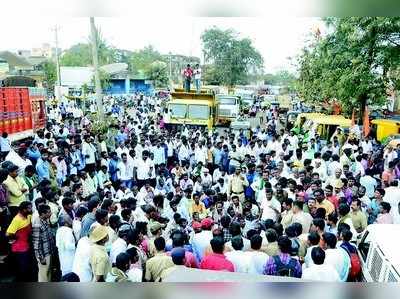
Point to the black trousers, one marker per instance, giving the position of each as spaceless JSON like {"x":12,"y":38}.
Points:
{"x":25,"y":266}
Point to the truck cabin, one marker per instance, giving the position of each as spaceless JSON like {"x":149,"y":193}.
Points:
{"x":227,"y":106}
{"x":190,"y":109}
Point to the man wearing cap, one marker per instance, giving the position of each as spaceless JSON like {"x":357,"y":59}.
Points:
{"x":99,"y":260}
{"x":202,"y":239}
{"x":237,"y":184}
{"x":17,"y":189}
{"x":179,"y":260}
{"x":156,"y":232}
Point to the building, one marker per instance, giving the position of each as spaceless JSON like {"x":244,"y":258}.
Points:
{"x":120,"y":80}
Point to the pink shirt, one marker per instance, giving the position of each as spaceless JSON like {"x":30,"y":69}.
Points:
{"x":384,"y":219}
{"x":216,"y":262}
{"x":190,"y":260}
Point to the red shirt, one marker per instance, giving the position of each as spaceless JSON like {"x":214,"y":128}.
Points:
{"x":216,"y":262}
{"x":334,"y":200}
{"x":21,"y":227}
{"x":188,"y":73}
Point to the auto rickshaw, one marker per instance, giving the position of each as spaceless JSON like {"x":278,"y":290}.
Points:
{"x":321,"y":124}
{"x":383,"y":128}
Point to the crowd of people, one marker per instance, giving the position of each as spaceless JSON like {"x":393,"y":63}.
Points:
{"x":141,"y":201}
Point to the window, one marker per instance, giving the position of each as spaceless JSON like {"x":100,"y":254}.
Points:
{"x":198,"y":111}
{"x":178,"y":110}
{"x":227,"y":101}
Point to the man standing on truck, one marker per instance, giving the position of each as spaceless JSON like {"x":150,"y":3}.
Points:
{"x":197,"y":77}
{"x":187,"y":75}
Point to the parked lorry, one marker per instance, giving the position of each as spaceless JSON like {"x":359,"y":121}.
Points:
{"x":187,"y":108}
{"x":227,"y":108}
{"x":22,"y":111}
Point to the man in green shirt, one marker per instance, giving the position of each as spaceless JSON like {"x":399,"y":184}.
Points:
{"x":358,"y":217}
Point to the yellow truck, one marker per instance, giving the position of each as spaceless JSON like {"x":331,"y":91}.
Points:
{"x":187,"y":108}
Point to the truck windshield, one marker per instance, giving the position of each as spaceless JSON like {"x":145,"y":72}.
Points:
{"x":227,"y":101}
{"x":178,"y":110}
{"x":198,"y":111}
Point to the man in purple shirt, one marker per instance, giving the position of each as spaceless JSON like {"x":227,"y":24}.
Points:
{"x":283,"y":264}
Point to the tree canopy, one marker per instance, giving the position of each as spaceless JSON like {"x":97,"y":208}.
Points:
{"x":81,"y":54}
{"x":232,"y":58}
{"x":355,"y":62}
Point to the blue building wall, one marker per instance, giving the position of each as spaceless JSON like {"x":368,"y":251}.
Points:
{"x":122,"y":86}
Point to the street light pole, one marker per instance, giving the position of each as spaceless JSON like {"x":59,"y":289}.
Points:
{"x":99,"y":98}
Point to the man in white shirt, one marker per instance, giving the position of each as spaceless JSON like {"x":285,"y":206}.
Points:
{"x":89,"y":152}
{"x":144,"y":169}
{"x":320,"y":271}
{"x":270,"y":206}
{"x":335,"y":257}
{"x":125,"y":170}
{"x":200,"y":154}
{"x":159,"y":154}
{"x":305,"y":219}
{"x":122,"y":149}
{"x":121,"y":244}
{"x":202,"y":240}
{"x":239,"y":259}
{"x":258,"y":258}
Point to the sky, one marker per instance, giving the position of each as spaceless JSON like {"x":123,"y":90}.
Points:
{"x":277,"y":38}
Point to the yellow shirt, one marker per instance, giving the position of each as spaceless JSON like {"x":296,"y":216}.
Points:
{"x":99,"y":261}
{"x":327,"y":205}
{"x":200,"y":208}
{"x":14,"y":187}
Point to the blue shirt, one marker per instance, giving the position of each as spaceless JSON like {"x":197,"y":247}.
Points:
{"x":43,"y":169}
{"x":217,"y":156}
{"x":33,"y":154}
{"x":250,"y":178}
{"x":121,"y":137}
{"x":112,"y":169}
{"x":5,"y":144}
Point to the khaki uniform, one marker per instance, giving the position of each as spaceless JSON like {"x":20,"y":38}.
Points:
{"x":237,"y":185}
{"x":99,"y":261}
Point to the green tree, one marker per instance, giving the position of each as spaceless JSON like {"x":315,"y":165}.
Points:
{"x":353,"y":63}
{"x":50,"y":74}
{"x":81,"y":53}
{"x":233,"y":58}
{"x":283,"y":78}
{"x":158,"y":73}
{"x":142,"y":60}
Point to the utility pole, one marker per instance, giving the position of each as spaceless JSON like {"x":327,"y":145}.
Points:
{"x":99,"y":97}
{"x":57,"y":87}
{"x":57,"y":57}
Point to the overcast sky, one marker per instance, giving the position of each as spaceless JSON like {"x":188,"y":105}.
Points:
{"x":277,"y":38}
